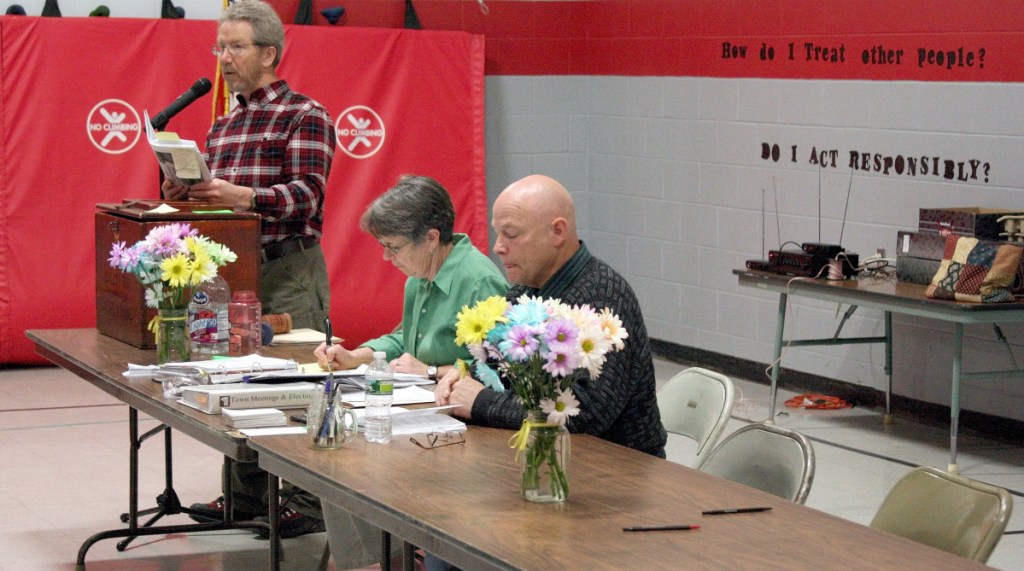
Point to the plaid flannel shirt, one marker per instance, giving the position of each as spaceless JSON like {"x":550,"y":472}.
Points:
{"x":280,"y":143}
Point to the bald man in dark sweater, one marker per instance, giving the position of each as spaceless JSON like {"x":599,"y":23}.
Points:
{"x":537,"y":242}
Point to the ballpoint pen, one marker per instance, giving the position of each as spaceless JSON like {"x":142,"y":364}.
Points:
{"x":662,"y":528}
{"x":330,"y":334}
{"x":324,"y":433}
{"x":735,"y":511}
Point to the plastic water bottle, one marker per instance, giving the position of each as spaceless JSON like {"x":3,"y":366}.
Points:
{"x":208,"y":319}
{"x":246,"y":332}
{"x":380,"y":386}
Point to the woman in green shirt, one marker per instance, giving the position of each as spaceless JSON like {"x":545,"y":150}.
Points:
{"x":413,"y":222}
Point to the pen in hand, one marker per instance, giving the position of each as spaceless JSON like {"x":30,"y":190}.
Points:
{"x":330,"y":335}
{"x":735,"y":511}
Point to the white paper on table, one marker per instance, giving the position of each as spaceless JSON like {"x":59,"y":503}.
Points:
{"x":164,"y":208}
{"x":406,"y":395}
{"x":243,"y":413}
{"x":348,"y":379}
{"x":419,"y":420}
{"x":310,"y":372}
{"x":273,"y":431}
{"x":411,"y":379}
{"x":302,"y":335}
{"x":222,"y":370}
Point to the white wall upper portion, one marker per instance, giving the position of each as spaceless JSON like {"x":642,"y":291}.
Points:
{"x":194,"y":9}
{"x":668,"y":176}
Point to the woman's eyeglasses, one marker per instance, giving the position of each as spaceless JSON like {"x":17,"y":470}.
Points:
{"x":393,"y":250}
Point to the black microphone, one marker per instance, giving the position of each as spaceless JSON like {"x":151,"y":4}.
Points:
{"x":201,"y":87}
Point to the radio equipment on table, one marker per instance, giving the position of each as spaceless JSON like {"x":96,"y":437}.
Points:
{"x":813,"y":259}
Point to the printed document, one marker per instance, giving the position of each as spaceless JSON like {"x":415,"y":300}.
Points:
{"x":180,"y":159}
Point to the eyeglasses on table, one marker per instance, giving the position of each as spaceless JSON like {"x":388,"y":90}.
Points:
{"x":440,"y":439}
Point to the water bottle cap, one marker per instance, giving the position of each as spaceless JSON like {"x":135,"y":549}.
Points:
{"x":379,"y":355}
{"x":244,"y":296}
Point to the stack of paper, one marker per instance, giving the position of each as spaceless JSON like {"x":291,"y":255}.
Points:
{"x":301,"y":336}
{"x":230,"y":370}
{"x":254,"y":417}
{"x":405,"y":395}
{"x":420,"y":421}
{"x":352,"y":378}
{"x":424,"y":424}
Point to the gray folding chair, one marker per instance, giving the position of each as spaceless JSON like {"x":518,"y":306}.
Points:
{"x":772,"y":459}
{"x":696,"y":403}
{"x":947,"y":511}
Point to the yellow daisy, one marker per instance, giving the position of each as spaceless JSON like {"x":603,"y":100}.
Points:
{"x":473,"y":325}
{"x":175,"y":270}
{"x":494,"y":308}
{"x":203,"y":268}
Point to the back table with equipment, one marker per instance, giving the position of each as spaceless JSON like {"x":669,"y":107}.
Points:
{"x":462,"y":502}
{"x":889,"y":296}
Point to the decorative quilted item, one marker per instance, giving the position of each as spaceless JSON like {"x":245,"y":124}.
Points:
{"x":976,"y":270}
{"x":812,"y":401}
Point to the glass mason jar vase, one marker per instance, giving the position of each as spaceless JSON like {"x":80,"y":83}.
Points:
{"x":544,"y":461}
{"x":172,"y":344}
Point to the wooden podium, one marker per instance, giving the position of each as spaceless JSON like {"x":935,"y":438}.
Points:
{"x":121,"y":310}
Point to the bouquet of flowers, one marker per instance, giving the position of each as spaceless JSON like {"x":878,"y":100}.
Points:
{"x":168,"y":263}
{"x":170,"y":260}
{"x":538,"y":345}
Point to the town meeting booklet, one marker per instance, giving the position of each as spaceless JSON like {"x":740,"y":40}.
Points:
{"x":180,"y":160}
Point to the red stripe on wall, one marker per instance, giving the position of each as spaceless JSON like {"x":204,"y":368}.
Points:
{"x":868,"y":39}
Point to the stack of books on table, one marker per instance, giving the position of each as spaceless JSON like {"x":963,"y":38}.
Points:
{"x":211,"y":399}
{"x":254,"y":417}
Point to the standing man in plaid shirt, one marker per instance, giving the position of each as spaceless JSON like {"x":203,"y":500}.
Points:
{"x":272,"y":155}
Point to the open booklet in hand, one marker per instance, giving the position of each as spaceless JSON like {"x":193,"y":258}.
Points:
{"x":180,"y":160}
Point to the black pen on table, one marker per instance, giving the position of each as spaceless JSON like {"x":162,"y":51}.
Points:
{"x":661,"y":528}
{"x":735,"y":511}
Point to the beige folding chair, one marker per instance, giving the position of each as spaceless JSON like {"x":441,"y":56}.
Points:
{"x":696,"y":403}
{"x":772,"y":459}
{"x":947,"y":511}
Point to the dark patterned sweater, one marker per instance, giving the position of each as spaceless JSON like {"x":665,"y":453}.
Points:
{"x":620,"y":405}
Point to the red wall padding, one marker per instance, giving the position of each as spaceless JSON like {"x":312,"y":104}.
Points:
{"x":426,"y":87}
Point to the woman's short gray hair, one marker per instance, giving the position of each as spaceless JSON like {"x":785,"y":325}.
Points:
{"x":410,"y":209}
{"x":267,"y":29}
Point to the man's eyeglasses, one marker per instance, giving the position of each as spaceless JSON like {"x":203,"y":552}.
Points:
{"x":393,"y":250}
{"x":440,"y":440}
{"x":235,"y":50}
